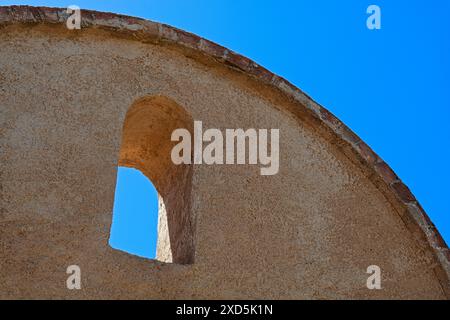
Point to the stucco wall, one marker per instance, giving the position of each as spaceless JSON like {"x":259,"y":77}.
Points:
{"x":308,"y":232}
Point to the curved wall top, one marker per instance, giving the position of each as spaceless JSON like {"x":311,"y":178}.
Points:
{"x":250,"y":74}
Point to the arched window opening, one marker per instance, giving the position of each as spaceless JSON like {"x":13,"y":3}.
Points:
{"x":146,"y":146}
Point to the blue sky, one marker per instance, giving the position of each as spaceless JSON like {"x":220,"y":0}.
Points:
{"x":135,"y":214}
{"x":390,"y":86}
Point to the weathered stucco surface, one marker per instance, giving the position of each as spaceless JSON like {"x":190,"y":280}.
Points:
{"x":310,"y":231}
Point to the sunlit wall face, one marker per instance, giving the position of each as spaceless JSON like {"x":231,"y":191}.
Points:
{"x":390,"y":85}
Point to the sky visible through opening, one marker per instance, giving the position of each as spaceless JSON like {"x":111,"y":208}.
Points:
{"x":390,"y":86}
{"x":135,"y":214}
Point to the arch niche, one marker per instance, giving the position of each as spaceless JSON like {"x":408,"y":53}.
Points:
{"x":146,"y":146}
